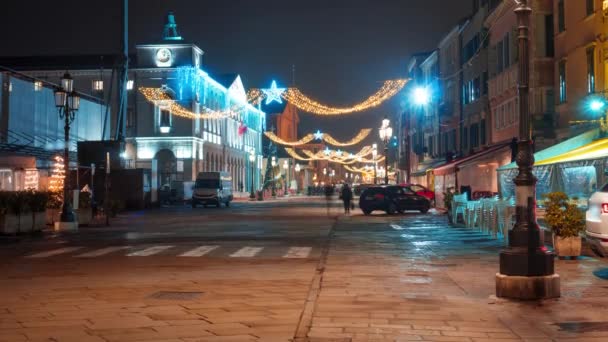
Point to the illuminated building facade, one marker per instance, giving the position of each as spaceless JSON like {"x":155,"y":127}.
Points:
{"x":32,"y":134}
{"x":180,"y":120}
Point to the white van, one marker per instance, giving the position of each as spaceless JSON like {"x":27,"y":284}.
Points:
{"x":212,"y":188}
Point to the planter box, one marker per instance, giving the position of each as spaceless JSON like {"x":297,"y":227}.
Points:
{"x":570,"y":246}
{"x":84,"y":216}
{"x":52,"y":216}
{"x":13,"y":224}
{"x":39,"y":221}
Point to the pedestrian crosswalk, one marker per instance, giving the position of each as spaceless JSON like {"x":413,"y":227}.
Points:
{"x":177,"y":251}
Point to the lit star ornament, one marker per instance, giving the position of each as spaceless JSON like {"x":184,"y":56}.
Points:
{"x":273,"y":93}
{"x":318,"y":135}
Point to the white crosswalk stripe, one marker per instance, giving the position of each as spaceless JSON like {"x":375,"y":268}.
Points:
{"x":191,"y":251}
{"x":150,"y":251}
{"x":199,"y":251}
{"x":298,"y":252}
{"x":54,"y":252}
{"x":246,"y":252}
{"x":102,"y":251}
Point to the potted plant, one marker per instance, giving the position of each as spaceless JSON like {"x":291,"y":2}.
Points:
{"x":566,"y":221}
{"x":37,"y":201}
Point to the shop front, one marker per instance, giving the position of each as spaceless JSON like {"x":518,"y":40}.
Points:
{"x":474,"y":174}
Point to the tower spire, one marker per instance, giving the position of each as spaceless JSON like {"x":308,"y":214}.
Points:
{"x":170,"y":30}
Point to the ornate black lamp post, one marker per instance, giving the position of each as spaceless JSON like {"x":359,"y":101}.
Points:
{"x":526,"y":267}
{"x":386,"y":132}
{"x":67,"y":103}
{"x":274,"y":164}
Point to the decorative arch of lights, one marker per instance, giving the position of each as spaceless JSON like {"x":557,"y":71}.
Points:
{"x":305,"y":103}
{"x":160,"y":97}
{"x":364,"y":133}
{"x":335,"y":156}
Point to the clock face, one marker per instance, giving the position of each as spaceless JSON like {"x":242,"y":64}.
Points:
{"x":163,"y":57}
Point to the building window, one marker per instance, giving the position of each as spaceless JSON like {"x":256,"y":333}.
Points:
{"x":465,"y":139}
{"x":590,"y":7}
{"x":474,"y":135}
{"x":130,"y":84}
{"x":561,"y":16}
{"x":165,"y":121}
{"x":591,"y":70}
{"x":484,"y":80}
{"x":130,"y":117}
{"x":483,"y":131}
{"x":465,"y":93}
{"x":38,"y":86}
{"x":549,"y":33}
{"x":499,"y":58}
{"x":562,"y":82}
{"x":97,"y":85}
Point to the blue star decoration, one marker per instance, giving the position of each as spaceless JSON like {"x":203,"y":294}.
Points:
{"x":273,"y":94}
{"x":318,"y":135}
{"x":339,"y":153}
{"x":327,"y":151}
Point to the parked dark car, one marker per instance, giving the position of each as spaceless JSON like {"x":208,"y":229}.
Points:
{"x":392,"y":199}
{"x":359,"y":188}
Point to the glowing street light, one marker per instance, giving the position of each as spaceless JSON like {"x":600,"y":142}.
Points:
{"x":421,"y":96}
{"x":597,"y":105}
{"x":386,"y":132}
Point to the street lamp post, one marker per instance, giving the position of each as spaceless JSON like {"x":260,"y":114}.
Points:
{"x":252,"y":162}
{"x":67,"y":103}
{"x":297,"y":168}
{"x":526,"y":267}
{"x":273,"y":163}
{"x":375,"y":155}
{"x":386,"y":132}
{"x":286,"y":167}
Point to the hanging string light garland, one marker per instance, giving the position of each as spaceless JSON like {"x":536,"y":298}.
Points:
{"x":255,"y":96}
{"x":335,"y":156}
{"x":364,"y":133}
{"x":158,"y":95}
{"x":277,"y":140}
{"x":295,"y":155}
{"x":294,"y":96}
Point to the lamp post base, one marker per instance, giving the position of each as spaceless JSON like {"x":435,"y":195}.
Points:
{"x":527,"y":288}
{"x":66,"y":226}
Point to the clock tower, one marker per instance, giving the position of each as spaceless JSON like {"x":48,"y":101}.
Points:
{"x":171,"y":51}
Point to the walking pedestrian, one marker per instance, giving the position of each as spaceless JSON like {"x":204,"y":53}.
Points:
{"x":347,"y":195}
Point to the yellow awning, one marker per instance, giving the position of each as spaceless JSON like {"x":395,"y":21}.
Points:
{"x":595,"y":150}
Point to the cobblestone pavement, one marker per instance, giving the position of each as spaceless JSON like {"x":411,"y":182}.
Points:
{"x":282,"y":271}
{"x":415,"y":278}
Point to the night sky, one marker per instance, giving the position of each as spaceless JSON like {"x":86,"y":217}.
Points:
{"x":342,"y":49}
